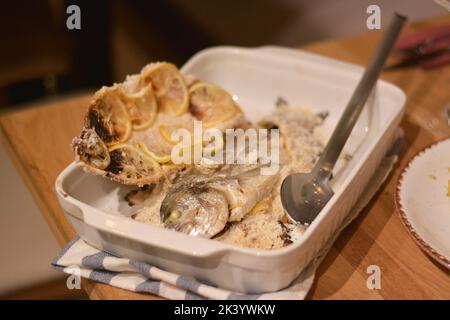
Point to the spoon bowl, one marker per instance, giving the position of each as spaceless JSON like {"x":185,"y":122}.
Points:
{"x":304,"y":195}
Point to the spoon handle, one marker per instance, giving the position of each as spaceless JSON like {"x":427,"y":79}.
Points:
{"x":345,"y":125}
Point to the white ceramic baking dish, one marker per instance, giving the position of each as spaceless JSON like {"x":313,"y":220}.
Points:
{"x":256,"y":77}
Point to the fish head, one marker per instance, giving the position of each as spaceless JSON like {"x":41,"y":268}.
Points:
{"x":195,"y":209}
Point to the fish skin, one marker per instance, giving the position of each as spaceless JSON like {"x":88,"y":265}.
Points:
{"x":255,"y":189}
{"x":194,"y":208}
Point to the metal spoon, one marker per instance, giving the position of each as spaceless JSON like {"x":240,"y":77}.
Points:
{"x":304,"y":195}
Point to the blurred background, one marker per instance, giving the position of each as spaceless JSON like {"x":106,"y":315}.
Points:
{"x":41,"y":59}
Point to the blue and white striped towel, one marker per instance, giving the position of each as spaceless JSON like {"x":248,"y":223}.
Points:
{"x":81,"y":259}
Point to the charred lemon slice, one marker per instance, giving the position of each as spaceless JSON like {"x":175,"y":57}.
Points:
{"x":90,"y":149}
{"x":169,"y":86}
{"x":141,"y":107}
{"x":129,"y":162}
{"x":158,"y":158}
{"x":109,"y":117}
{"x":211,"y":104}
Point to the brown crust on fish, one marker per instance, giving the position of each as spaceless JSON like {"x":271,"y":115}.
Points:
{"x":93,"y":119}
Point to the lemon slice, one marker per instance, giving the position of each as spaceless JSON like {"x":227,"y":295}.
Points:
{"x":166,"y":133}
{"x":211,"y":104}
{"x":167,"y":130}
{"x":169,"y":86}
{"x":213,"y":147}
{"x":130,"y":162}
{"x":159,"y":159}
{"x":109,"y":117}
{"x":142,"y":107}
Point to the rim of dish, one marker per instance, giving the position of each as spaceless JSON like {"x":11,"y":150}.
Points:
{"x":425,"y":246}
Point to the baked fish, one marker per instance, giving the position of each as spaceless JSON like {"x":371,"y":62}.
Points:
{"x":202,"y":205}
{"x":127,"y":129}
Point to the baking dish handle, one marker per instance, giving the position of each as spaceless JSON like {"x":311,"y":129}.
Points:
{"x":151,"y":235}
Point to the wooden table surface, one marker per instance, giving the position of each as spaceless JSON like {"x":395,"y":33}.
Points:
{"x":38,"y":138}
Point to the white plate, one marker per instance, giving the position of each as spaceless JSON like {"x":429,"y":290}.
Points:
{"x":423,"y":203}
{"x":256,"y":78}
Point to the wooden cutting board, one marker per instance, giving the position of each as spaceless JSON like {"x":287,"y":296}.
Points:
{"x":38,"y":139}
